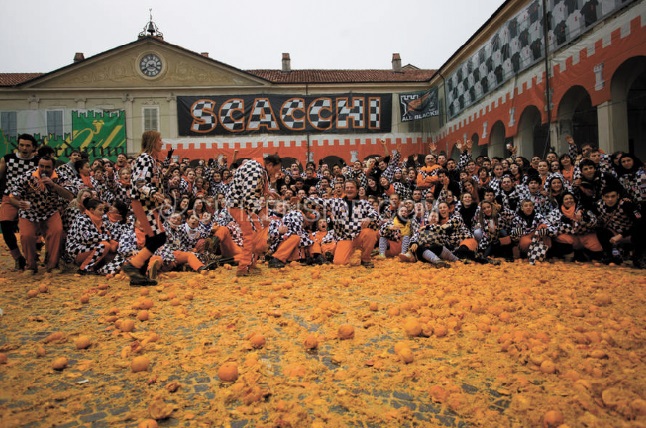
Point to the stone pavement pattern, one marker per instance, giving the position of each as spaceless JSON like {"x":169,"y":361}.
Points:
{"x":477,"y":359}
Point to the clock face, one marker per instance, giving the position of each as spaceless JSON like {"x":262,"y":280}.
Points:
{"x":150,"y":65}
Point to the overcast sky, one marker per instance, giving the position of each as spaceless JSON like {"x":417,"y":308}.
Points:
{"x":43,"y":35}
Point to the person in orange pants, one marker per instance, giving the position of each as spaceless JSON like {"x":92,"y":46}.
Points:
{"x":38,"y":196}
{"x":147,"y":195}
{"x":222,"y":240}
{"x":89,"y":242}
{"x":323,"y":246}
{"x":13,"y":167}
{"x":354,"y":224}
{"x":288,"y":240}
{"x":245,"y":201}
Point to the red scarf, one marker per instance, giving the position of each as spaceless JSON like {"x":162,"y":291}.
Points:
{"x":114,"y":217}
{"x":98,"y":221}
{"x":87,"y":180}
{"x":568,"y":174}
{"x":568,"y":212}
{"x":39,"y":182}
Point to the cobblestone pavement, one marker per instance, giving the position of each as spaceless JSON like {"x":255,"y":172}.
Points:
{"x":189,"y":325}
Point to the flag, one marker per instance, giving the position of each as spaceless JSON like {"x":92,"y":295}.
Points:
{"x":418,"y":105}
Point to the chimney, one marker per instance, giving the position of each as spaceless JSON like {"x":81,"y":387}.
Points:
{"x":205,"y":54}
{"x":78,"y":57}
{"x":287,"y":66}
{"x":397,"y":63}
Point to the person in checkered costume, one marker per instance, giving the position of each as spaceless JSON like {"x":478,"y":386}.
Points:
{"x":38,"y":195}
{"x":182,"y":238}
{"x":396,"y":234}
{"x":492,"y":225}
{"x":354,"y":222}
{"x":533,"y":191}
{"x":459,"y":238}
{"x":389,"y":170}
{"x":633,"y":178}
{"x":245,"y":200}
{"x":532,"y":232}
{"x":324,"y":242}
{"x":89,"y":242}
{"x":620,"y":224}
{"x":287,"y":238}
{"x":356,"y":173}
{"x":191,"y":235}
{"x":508,"y":196}
{"x":147,"y":196}
{"x":575,"y":229}
{"x":395,"y":187}
{"x":497,"y":173}
{"x":430,"y":243}
{"x":121,"y":186}
{"x":67,"y":172}
{"x":13,"y":167}
{"x":588,"y":188}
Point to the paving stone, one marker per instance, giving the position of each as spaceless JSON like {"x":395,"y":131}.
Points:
{"x":402,"y":396}
{"x":93,"y":417}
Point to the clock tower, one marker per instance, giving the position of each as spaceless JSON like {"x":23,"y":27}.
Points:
{"x":151,"y":64}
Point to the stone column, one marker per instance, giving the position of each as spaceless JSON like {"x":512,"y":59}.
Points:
{"x":128,"y":100}
{"x":612,"y":121}
{"x":172,"y":115}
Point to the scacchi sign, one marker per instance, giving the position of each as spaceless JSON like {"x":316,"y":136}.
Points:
{"x":346,"y":113}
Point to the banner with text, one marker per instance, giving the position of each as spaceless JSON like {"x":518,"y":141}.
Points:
{"x":284,"y":114}
{"x":419,"y":105}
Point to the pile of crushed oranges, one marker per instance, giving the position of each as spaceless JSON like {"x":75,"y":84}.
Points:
{"x":511,"y":345}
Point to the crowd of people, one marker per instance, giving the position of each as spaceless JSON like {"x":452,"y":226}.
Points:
{"x":152,"y":213}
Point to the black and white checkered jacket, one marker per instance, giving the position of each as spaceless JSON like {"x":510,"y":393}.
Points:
{"x":456,"y":231}
{"x":67,"y":172}
{"x":620,"y":218}
{"x":44,"y":203}
{"x":430,"y":236}
{"x":250,"y":183}
{"x":635,"y":185}
{"x":389,"y":172}
{"x":146,"y":180}
{"x":84,"y":236}
{"x":146,"y":183}
{"x":522,"y":225}
{"x":565,"y":225}
{"x":347,"y":225}
{"x":359,"y":176}
{"x":16,"y":169}
{"x":294,"y":221}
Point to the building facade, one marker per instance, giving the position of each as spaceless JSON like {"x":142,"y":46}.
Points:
{"x":522,"y":82}
{"x":537,"y":70}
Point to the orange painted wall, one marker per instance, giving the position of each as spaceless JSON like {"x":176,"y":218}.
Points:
{"x":582,"y":74}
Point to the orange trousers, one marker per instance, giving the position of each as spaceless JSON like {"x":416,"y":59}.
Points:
{"x":84,"y":259}
{"x":365,"y":242}
{"x":228,"y":248}
{"x":249,"y":236}
{"x":288,"y":249}
{"x":51,"y":229}
{"x":588,"y":241}
{"x":183,"y":257}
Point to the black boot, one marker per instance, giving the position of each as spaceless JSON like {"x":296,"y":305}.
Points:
{"x":274,"y":263}
{"x":21,"y":262}
{"x":319,"y":260}
{"x":136,"y":278}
